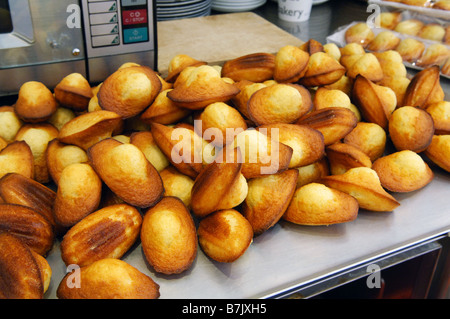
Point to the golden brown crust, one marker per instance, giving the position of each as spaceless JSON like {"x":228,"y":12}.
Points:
{"x":164,"y":111}
{"x":278,"y":103}
{"x":178,"y":63}
{"x":20,"y":276}
{"x":307,"y":144}
{"x":35,"y":102}
{"x":21,"y":190}
{"x":342,"y":157}
{"x":439,"y":151}
{"x":146,"y":143}
{"x":261,"y":155}
{"x":364,"y":184}
{"x":17,"y":157}
{"x":220,"y":185}
{"x":177,"y":184}
{"x":316,"y":204}
{"x":409,"y":27}
{"x":106,"y":233}
{"x":366,"y":65}
{"x":10,"y":123}
{"x":375,"y":102}
{"x":440,"y":112}
{"x":175,"y":142}
{"x":411,"y":128}
{"x":225,"y":235}
{"x":247,"y":89}
{"x":385,"y":40}
{"x":268,"y":198}
{"x":109,"y":278}
{"x":87,"y":129}
{"x":129,"y":91}
{"x":37,"y":136}
{"x":255,"y":67}
{"x":435,"y":54}
{"x":127,"y":172}
{"x":201,"y":87}
{"x":168,"y":236}
{"x":368,"y":137}
{"x":403,"y":171}
{"x":30,"y":226}
{"x":290,"y":64}
{"x":78,"y":194}
{"x":424,"y":88}
{"x":74,"y":92}
{"x":410,"y":49}
{"x":359,"y":33}
{"x":322,"y":69}
{"x":333,"y":122}
{"x":312,"y":46}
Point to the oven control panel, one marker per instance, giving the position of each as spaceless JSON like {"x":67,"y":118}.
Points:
{"x":118,"y":26}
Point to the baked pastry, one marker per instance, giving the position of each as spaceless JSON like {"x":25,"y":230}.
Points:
{"x":109,"y":278}
{"x":441,"y":5}
{"x":364,"y":185}
{"x":410,"y":49}
{"x":177,"y":185}
{"x":315,"y":204}
{"x":385,"y":40}
{"x":261,"y":154}
{"x":359,"y":33}
{"x":17,"y":157}
{"x":37,"y":136}
{"x":322,"y":69}
{"x":9,"y":123}
{"x":432,"y":31}
{"x":219,"y":123}
{"x":61,"y":117}
{"x":168,"y":237}
{"x":127,"y":172}
{"x":409,"y":27}
{"x":87,"y":129}
{"x":326,"y":97}
{"x":411,"y":128}
{"x":78,"y":194}
{"x":225,"y":235}
{"x":164,"y":111}
{"x":307,"y":143}
{"x":59,"y":155}
{"x":391,"y":63}
{"x":31,"y":227}
{"x":424,"y":89}
{"x":388,"y":19}
{"x":342,"y":157}
{"x":352,"y":48}
{"x":20,"y":190}
{"x":247,"y":89}
{"x":255,"y":67}
{"x":182,"y":147}
{"x":278,"y":103}
{"x":220,"y":185}
{"x":332,"y":50}
{"x":178,"y":63}
{"x":290,"y":64}
{"x":375,"y":102}
{"x":268,"y":198}
{"x":445,"y":69}
{"x":202,"y":86}
{"x":439,"y":151}
{"x":418,"y":3}
{"x":35,"y":102}
{"x":106,"y":233}
{"x":129,"y":91}
{"x":74,"y":92}
{"x":435,"y":54}
{"x":440,"y":112}
{"x":368,"y":66}
{"x":333,"y":122}
{"x":403,"y":171}
{"x":146,"y":143}
{"x":312,"y":46}
{"x":312,"y":172}
{"x":369,"y":138}
{"x":20,"y":274}
{"x":344,"y":84}
{"x":398,"y":84}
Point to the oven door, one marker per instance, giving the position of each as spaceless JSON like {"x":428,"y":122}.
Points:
{"x":38,"y":42}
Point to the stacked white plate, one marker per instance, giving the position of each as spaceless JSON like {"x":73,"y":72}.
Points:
{"x":236,"y":5}
{"x":180,"y":9}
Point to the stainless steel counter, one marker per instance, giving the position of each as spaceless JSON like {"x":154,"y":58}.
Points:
{"x":288,"y":258}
